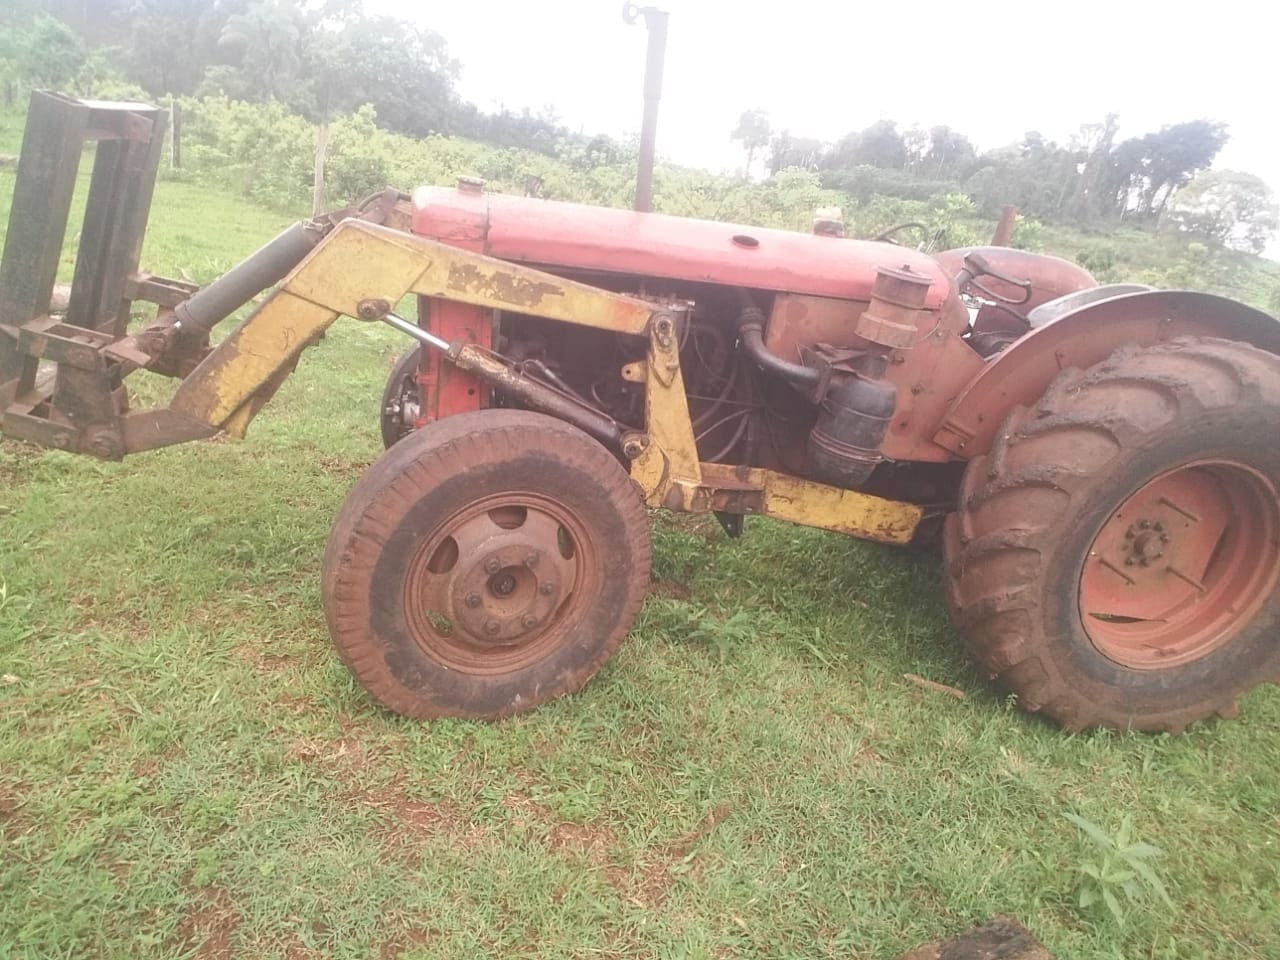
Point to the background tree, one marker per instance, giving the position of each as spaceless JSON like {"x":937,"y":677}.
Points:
{"x":752,"y":131}
{"x":1227,"y":209}
{"x":1172,"y":156}
{"x":804,"y":153}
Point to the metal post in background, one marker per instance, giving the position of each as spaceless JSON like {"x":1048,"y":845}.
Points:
{"x":656,"y":23}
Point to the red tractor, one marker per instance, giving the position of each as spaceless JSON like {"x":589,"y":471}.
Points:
{"x":1097,"y":461}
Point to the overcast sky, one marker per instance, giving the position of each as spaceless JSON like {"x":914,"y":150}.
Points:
{"x":992,"y":69}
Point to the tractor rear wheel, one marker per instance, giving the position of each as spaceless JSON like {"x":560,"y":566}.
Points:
{"x":489,"y":562}
{"x":1115,"y":557}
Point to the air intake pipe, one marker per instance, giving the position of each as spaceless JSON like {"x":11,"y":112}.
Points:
{"x":751,"y":333}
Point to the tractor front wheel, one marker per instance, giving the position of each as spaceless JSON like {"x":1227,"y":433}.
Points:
{"x":401,"y":399}
{"x":1115,"y":557}
{"x":485,"y":564}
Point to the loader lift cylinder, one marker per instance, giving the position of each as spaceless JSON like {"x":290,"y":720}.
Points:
{"x":264,"y":268}
{"x":510,"y":382}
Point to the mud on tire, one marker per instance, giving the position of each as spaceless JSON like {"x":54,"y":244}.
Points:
{"x":1083,"y":611}
{"x":485,"y":564}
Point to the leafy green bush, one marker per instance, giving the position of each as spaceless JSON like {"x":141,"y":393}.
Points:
{"x":265,"y":152}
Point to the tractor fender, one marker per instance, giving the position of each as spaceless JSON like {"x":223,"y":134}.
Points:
{"x":1020,"y":374}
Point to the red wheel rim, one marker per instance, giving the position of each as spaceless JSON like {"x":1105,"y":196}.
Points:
{"x":1182,"y":566}
{"x":497,"y":585}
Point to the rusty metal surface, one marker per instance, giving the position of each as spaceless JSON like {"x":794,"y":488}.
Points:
{"x":800,"y":320}
{"x":929,"y":375}
{"x":1020,"y":374}
{"x":445,"y":389}
{"x":1050,"y":278}
{"x":554,"y":234}
{"x":41,"y":205}
{"x":766,"y":492}
{"x":151,"y":429}
{"x":1004,"y":228}
{"x":897,"y":297}
{"x":670,"y":452}
{"x":511,"y":382}
{"x":222,"y":390}
{"x":115,"y":217}
{"x":655,"y":55}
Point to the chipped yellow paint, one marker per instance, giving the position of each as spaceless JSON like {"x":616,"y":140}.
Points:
{"x":237,"y":425}
{"x":363,"y":261}
{"x":844,"y":511}
{"x":672,"y":455}
{"x":268,"y":341}
{"x":753,"y":490}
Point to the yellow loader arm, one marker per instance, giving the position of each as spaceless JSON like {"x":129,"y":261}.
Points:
{"x":61,"y":377}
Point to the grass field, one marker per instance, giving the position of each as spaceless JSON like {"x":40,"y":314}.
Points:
{"x":187,"y":771}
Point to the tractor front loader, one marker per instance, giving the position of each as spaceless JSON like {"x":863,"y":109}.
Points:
{"x":1098,"y":461}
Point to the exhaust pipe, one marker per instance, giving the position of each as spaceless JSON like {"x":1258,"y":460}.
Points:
{"x":656,"y":22}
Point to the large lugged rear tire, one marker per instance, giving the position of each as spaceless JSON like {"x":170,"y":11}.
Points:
{"x":1114,"y":559}
{"x":484,"y":565}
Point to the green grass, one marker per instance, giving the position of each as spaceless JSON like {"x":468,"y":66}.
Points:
{"x":186,"y":769}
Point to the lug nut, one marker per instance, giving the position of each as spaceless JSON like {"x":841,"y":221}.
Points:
{"x":1164,"y":538}
{"x":547,"y":588}
{"x":530,"y":560}
{"x":529,"y":621}
{"x":1144,"y":524}
{"x":492,"y":565}
{"x":1128,"y":534}
{"x":492,"y":627}
{"x":1129,"y":561}
{"x":473,"y":599}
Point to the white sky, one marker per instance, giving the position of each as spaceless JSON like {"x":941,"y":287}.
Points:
{"x":992,"y":69}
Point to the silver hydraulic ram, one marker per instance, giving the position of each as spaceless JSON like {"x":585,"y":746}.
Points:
{"x":509,"y":379}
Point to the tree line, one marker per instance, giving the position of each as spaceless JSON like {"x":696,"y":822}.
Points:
{"x":1094,"y":179}
{"x":320,"y":58}
{"x":327,"y":58}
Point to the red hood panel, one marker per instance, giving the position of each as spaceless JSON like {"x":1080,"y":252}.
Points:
{"x":611,"y":240}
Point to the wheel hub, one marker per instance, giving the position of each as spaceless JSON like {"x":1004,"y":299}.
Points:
{"x":501,"y":607}
{"x":1147,"y":542}
{"x":497,"y":577}
{"x":1181,"y":566}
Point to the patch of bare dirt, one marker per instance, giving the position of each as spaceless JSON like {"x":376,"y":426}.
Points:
{"x":413,"y":942}
{"x":212,"y":926}
{"x":296,"y":951}
{"x":655,"y":882}
{"x":526,"y":809}
{"x":296,"y":705}
{"x":348,"y":754}
{"x":581,"y":839}
{"x":12,"y":819}
{"x":341,"y":466}
{"x":407,"y":822}
{"x":670,"y":589}
{"x":264,"y":660}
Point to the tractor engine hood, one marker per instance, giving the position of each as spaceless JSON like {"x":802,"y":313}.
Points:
{"x":577,"y":237}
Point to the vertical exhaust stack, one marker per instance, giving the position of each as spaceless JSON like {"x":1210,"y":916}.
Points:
{"x":656,"y":22}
